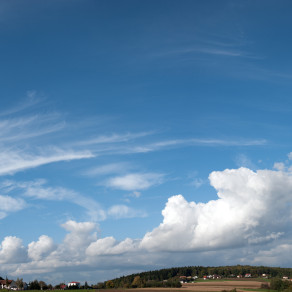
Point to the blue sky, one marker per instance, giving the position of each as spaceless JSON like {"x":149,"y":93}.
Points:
{"x":137,"y":135}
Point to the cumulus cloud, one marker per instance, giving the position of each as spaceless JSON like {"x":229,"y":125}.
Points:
{"x":110,"y":246}
{"x":12,"y":250}
{"x":41,"y":248}
{"x":252,"y":207}
{"x":135,"y":181}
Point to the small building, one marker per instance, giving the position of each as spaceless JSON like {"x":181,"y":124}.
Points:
{"x":8,"y":284}
{"x":73,"y":285}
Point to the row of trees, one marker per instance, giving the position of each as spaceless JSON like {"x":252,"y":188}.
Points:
{"x":139,"y":282}
{"x":170,"y":276}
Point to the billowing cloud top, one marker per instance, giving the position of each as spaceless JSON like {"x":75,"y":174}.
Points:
{"x":252,"y":207}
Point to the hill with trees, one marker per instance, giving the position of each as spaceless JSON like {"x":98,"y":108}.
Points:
{"x":171,"y":277}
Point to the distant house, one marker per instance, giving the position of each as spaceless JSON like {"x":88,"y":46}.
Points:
{"x":25,"y":286}
{"x":8,"y":284}
{"x":63,"y":286}
{"x":247,"y":276}
{"x":73,"y":285}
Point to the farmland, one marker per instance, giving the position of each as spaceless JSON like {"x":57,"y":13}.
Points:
{"x":203,"y":286}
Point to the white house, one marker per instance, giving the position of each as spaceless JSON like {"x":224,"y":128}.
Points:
{"x":74,"y":284}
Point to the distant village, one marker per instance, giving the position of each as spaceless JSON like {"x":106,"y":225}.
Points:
{"x":19,"y":284}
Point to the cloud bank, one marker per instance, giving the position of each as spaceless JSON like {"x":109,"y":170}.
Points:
{"x":253,"y":208}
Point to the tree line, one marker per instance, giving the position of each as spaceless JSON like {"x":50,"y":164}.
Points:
{"x":170,"y":277}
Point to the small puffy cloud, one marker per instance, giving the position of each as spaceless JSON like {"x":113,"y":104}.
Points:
{"x":41,"y":248}
{"x":9,"y":204}
{"x":12,"y":250}
{"x":135,"y":181}
{"x":279,"y":166}
{"x":290,"y":156}
{"x":242,"y":160}
{"x":198,"y":182}
{"x":135,"y":194}
{"x":123,"y":211}
{"x":80,"y":236}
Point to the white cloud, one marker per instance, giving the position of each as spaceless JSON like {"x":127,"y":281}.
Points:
{"x":123,"y":211}
{"x":110,"y":246}
{"x":193,"y":142}
{"x":279,"y":166}
{"x":15,"y":161}
{"x":12,"y":250}
{"x":135,"y":181}
{"x":9,"y":204}
{"x":37,"y":190}
{"x":114,"y":138}
{"x":290,"y":156}
{"x":251,"y":207}
{"x":198,"y":182}
{"x":243,"y":161}
{"x":41,"y":248}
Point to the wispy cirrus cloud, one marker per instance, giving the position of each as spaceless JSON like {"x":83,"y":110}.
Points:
{"x":14,"y":160}
{"x":114,"y":138}
{"x":37,"y":138}
{"x":110,"y":168}
{"x":38,"y":190}
{"x":196,"y":142}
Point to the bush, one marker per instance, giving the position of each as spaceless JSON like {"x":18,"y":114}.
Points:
{"x":265,"y":286}
{"x":279,"y":285}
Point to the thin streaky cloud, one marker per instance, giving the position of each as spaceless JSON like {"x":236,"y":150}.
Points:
{"x":195,"y":142}
{"x":114,"y":138}
{"x":38,"y":190}
{"x":108,"y":169}
{"x":12,"y":161}
{"x":29,"y":102}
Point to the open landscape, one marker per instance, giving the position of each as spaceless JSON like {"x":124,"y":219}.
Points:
{"x":146,"y":145}
{"x":208,"y":285}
